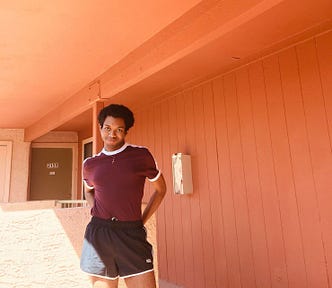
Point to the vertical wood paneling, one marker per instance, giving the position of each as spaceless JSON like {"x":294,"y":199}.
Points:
{"x":169,"y":219}
{"x":186,"y":272}
{"x":142,"y":139}
{"x":139,"y":120}
{"x":324,"y":55}
{"x":320,"y":158}
{"x":198,"y":198}
{"x":279,"y":190}
{"x":265,"y":154}
{"x":250,"y":166}
{"x":199,"y":276}
{"x":161,"y":215}
{"x":238,"y":183}
{"x":203,"y":191}
{"x":300,"y":159}
{"x":176,"y":199}
{"x":212,"y":169}
{"x":230,"y":233}
{"x":151,"y":144}
{"x":260,"y":141}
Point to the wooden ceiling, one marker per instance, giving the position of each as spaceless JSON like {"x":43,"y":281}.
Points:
{"x":137,"y":51}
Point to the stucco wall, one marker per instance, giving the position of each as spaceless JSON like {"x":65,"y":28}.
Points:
{"x":20,"y":163}
{"x":58,"y":137}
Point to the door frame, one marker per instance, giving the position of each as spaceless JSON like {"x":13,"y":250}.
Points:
{"x":8,"y":170}
{"x":84,"y":141}
{"x":73,"y":146}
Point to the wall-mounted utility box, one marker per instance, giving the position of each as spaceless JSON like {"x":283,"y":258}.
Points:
{"x":182,"y":177}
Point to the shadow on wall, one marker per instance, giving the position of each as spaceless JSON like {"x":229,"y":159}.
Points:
{"x":73,"y":222}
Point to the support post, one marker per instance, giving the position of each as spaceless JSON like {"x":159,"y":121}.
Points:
{"x":97,"y":143}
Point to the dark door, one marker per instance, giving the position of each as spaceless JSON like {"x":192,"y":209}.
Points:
{"x":51,"y":174}
{"x":87,"y":152}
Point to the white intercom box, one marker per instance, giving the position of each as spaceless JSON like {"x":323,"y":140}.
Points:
{"x":182,"y":177}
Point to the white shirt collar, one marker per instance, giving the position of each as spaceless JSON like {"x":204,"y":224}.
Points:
{"x":109,"y":153}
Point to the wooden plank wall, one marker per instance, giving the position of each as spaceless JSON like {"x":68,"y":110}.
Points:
{"x":260,"y":141}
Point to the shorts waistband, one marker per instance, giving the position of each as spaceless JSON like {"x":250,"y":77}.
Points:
{"x":114,"y":223}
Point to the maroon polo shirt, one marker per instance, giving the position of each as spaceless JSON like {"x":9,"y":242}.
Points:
{"x":118,"y":179}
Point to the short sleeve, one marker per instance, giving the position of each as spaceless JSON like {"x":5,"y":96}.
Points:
{"x":87,"y":174}
{"x":152,"y":170}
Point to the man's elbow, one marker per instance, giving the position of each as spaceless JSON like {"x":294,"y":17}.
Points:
{"x":162,"y":189}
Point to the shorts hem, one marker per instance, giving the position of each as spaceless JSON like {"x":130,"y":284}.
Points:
{"x":117,"y":277}
{"x":136,"y":274}
{"x":101,"y":276}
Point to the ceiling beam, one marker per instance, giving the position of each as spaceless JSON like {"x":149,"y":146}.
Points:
{"x":202,"y":25}
{"x":72,"y":107}
{"x":207,"y":23}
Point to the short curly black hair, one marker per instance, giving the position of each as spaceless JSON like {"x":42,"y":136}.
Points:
{"x":117,"y":111}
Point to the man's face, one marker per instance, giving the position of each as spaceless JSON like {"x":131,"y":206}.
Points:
{"x":113,"y":133}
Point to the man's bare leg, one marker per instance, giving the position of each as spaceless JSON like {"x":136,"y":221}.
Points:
{"x":145,"y":280}
{"x":98,"y":282}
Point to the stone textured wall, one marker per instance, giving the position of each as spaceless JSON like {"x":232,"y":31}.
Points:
{"x":20,"y":163}
{"x":58,"y":137}
{"x":40,"y":245}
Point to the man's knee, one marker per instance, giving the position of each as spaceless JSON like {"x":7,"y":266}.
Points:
{"x":145,"y":280}
{"x":98,"y":282}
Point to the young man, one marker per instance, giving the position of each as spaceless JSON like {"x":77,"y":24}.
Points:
{"x":115,"y":242}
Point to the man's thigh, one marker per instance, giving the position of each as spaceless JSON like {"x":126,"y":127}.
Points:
{"x":145,"y":280}
{"x":103,"y":283}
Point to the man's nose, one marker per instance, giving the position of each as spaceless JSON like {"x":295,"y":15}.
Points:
{"x":112,"y":133}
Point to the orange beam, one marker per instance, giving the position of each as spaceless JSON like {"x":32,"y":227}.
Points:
{"x":72,"y":107}
{"x":97,"y":143}
{"x":202,"y":25}
{"x":205,"y":23}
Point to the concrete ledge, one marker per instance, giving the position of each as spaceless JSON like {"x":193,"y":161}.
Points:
{"x":28,"y":205}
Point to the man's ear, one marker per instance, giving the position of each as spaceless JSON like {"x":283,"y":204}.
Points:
{"x":100,"y":130}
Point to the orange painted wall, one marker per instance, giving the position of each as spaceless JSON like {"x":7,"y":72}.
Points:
{"x":260,"y":141}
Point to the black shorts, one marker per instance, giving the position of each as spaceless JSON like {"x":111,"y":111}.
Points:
{"x":113,"y":249}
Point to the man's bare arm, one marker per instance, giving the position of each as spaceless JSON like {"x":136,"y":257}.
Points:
{"x":156,"y":198}
{"x":89,"y":195}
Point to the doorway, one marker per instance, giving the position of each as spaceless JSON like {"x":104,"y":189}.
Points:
{"x":53,"y":173}
{"x":87,"y":148}
{"x":86,"y":153}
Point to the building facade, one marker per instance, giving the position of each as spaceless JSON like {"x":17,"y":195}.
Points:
{"x":259,"y":135}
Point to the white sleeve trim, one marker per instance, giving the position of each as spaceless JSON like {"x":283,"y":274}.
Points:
{"x":86,"y":185}
{"x":155,"y":178}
